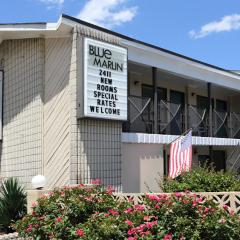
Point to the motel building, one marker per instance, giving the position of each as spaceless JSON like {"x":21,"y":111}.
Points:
{"x":80,"y":102}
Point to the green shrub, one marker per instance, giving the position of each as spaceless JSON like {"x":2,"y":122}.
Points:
{"x":202,"y":180}
{"x":12,"y":203}
{"x":92,"y":213}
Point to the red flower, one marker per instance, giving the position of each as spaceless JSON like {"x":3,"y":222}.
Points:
{"x":80,"y":232}
{"x":59,"y":219}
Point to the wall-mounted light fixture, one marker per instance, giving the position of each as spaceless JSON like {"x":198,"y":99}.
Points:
{"x":38,"y":182}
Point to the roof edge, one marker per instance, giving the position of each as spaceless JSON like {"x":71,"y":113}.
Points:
{"x":144,"y":43}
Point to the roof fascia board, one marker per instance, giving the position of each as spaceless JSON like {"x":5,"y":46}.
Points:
{"x":72,"y":21}
{"x":182,"y":67}
{"x":28,"y":27}
{"x":179,"y":59}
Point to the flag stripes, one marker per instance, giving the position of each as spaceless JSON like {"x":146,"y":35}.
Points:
{"x":180,"y":156}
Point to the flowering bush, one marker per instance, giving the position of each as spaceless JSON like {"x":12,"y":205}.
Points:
{"x":90,"y":213}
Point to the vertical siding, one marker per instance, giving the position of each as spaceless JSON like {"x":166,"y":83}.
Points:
{"x":57,"y":112}
{"x":76,"y":46}
{"x":95,"y":144}
{"x":21,"y":154}
{"x":99,"y":151}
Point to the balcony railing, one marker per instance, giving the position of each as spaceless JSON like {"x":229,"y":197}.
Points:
{"x":174,"y":119}
{"x":140,"y":115}
{"x":170,"y":118}
{"x":198,"y":119}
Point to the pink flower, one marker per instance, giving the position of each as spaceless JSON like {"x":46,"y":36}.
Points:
{"x":132,"y":238}
{"x":113,"y":212}
{"x":231,"y":212}
{"x":132,"y":231}
{"x":89,"y":199}
{"x":110,"y":190}
{"x":80,"y":232}
{"x":157,"y":206}
{"x":148,"y":218}
{"x":34,"y":204}
{"x":167,"y":237}
{"x":153,"y":197}
{"x":129,"y":223}
{"x":206,"y":210}
{"x":194,"y":203}
{"x":128,"y":210}
{"x":29,"y":229}
{"x":50,"y":194}
{"x":139,"y":207}
{"x":144,"y":233}
{"x":225,"y":207}
{"x":96,"y":182}
{"x":178,"y":194}
{"x":151,"y":224}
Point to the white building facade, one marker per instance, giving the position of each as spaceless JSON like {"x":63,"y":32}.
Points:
{"x":80,"y":102}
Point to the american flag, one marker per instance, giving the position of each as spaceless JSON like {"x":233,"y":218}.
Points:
{"x":180,"y":155}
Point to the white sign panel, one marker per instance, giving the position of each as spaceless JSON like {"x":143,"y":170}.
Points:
{"x":105,"y":80}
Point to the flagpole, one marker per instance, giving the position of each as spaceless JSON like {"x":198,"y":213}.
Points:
{"x":187,"y":131}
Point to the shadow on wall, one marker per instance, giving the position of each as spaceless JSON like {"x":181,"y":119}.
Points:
{"x":36,"y":78}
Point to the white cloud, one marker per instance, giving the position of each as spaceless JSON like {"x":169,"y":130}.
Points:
{"x":107,"y":13}
{"x":226,"y":24}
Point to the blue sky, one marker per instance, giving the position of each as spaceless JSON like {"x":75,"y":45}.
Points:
{"x":208,"y":30}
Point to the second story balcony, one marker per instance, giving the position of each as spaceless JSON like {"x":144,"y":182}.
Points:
{"x":175,"y":119}
{"x":178,"y":104}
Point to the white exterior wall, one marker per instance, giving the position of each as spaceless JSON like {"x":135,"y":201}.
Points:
{"x":36,"y":117}
{"x":22,"y":155}
{"x":57,"y":111}
{"x":142,"y":167}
